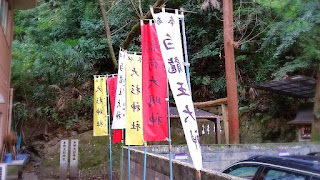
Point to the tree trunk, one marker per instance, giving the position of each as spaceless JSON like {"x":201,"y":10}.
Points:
{"x":108,"y":33}
{"x":315,"y":132}
{"x":232,"y":94}
{"x":135,"y":31}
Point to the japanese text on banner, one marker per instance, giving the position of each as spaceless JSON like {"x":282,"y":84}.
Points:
{"x":119,"y":115}
{"x":154,"y":87}
{"x":134,"y":127}
{"x":112,"y":87}
{"x":100,"y":119}
{"x":168,"y":30}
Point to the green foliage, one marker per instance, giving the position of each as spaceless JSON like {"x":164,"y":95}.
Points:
{"x":62,"y":44}
{"x":219,"y":86}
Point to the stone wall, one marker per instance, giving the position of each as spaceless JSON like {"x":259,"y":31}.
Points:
{"x":219,"y":157}
{"x":158,"y":168}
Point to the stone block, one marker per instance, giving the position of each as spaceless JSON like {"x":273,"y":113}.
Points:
{"x":159,"y":176}
{"x":135,"y":177}
{"x":150,"y":174}
{"x":139,"y":168}
{"x":132,"y":166}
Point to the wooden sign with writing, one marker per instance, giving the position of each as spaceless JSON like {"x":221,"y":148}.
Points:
{"x":74,"y":158}
{"x":64,"y":146}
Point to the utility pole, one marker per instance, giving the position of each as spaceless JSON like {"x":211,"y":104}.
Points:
{"x":233,"y":114}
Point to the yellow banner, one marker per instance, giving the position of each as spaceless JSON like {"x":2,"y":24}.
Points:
{"x":100,"y":118}
{"x":134,"y":125}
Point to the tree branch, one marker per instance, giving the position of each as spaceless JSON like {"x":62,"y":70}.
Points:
{"x":135,"y":9}
{"x":140,"y":9}
{"x":121,"y":28}
{"x":135,"y":30}
{"x":108,"y":33}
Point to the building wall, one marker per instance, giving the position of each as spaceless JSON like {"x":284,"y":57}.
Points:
{"x":5,"y":72}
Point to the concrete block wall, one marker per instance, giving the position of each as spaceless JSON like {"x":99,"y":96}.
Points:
{"x":158,"y":168}
{"x":219,"y":157}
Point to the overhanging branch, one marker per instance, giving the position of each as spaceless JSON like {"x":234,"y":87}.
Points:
{"x":135,"y":30}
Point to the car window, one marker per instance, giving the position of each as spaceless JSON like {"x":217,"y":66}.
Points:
{"x":315,"y":178}
{"x":278,"y":174}
{"x":246,"y":171}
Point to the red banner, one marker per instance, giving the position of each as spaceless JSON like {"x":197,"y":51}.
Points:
{"x":112,"y":88}
{"x":154,"y":87}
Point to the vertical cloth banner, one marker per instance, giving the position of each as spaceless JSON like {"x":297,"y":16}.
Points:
{"x":119,"y":115}
{"x":100,"y":120}
{"x":134,"y":127}
{"x":168,"y":30}
{"x":112,"y":86}
{"x":154,"y":86}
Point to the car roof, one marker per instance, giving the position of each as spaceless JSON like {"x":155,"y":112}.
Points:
{"x":301,"y":162}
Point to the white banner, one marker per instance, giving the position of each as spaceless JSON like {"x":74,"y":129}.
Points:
{"x":119,"y":115}
{"x":168,"y":31}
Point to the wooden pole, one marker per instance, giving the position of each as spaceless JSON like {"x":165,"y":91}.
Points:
{"x":210,"y":103}
{"x":225,"y":122}
{"x":230,"y":71}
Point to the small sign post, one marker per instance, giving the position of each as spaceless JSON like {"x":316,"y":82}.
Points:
{"x":64,"y":145}
{"x":74,"y":159}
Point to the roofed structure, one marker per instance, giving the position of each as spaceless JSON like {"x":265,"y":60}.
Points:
{"x":296,"y":86}
{"x":304,"y":115}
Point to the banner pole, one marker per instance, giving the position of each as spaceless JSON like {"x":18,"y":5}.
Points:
{"x":109,"y":119}
{"x":129,"y":173}
{"x":121,"y":158}
{"x":169,"y":132}
{"x":145,"y":161}
{"x":198,"y":175}
{"x":122,"y":141}
{"x":186,"y":60}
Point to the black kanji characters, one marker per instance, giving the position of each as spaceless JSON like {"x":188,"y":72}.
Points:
{"x":182,"y":90}
{"x":135,"y":125}
{"x":188,"y":112}
{"x":168,"y":44}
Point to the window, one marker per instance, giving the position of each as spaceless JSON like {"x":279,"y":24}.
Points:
{"x":246,"y":171}
{"x":279,"y":174}
{"x":4,"y":14}
{"x":316,"y":178}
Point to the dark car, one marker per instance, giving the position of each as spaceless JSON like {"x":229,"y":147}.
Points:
{"x":306,"y":167}
{"x":314,"y":154}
